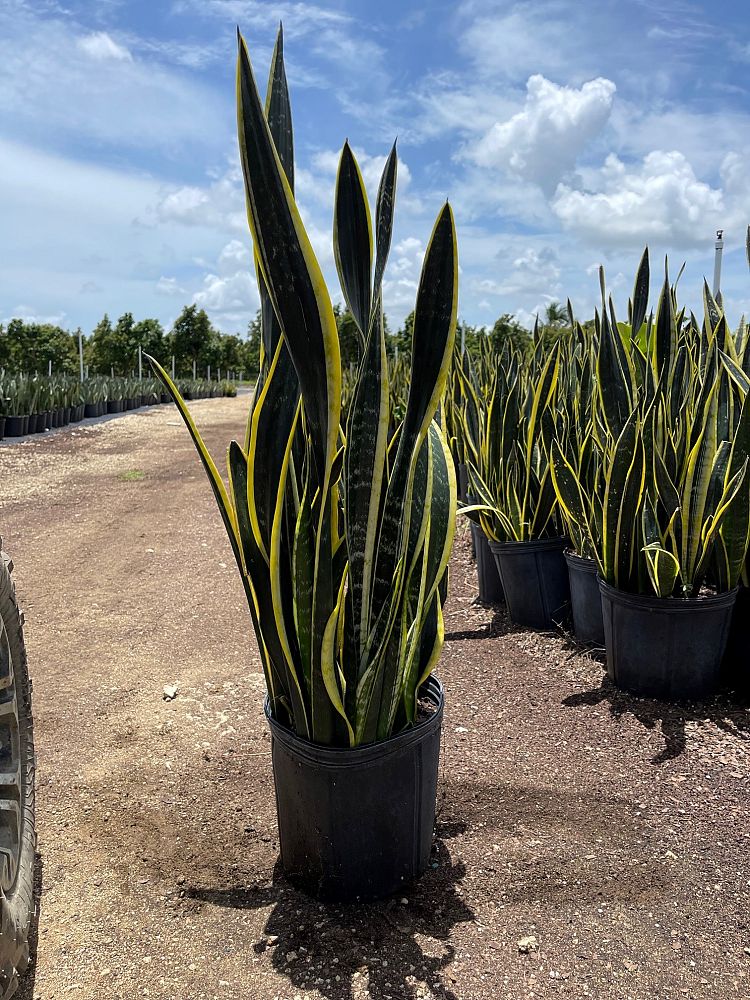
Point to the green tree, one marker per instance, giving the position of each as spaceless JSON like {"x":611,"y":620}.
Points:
{"x":508,"y":332}
{"x":349,"y":336}
{"x":148,"y":334}
{"x":100,"y":353}
{"x":29,"y":347}
{"x":191,"y":340}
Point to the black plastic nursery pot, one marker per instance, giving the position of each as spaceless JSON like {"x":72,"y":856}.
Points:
{"x":534,"y":576}
{"x":463,"y":482}
{"x":13,"y":426}
{"x":665,"y":647}
{"x":490,"y":586}
{"x":2,"y":428}
{"x":736,"y":665}
{"x":165,"y":397}
{"x":357,"y":824}
{"x":90,"y":410}
{"x":585,"y":600}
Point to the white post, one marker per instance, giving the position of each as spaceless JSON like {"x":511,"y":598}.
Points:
{"x":140,"y":362}
{"x":208,"y":372}
{"x":218,"y":374}
{"x":173,"y":367}
{"x":80,"y":350}
{"x":240,"y":374}
{"x":719,"y":247}
{"x":194,"y":371}
{"x":49,"y":368}
{"x":87,"y":371}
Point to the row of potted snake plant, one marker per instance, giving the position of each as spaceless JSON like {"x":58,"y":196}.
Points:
{"x":341,"y":521}
{"x":32,"y":404}
{"x":623,"y":451}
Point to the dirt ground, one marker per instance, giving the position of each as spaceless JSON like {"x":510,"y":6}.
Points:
{"x":614,"y":833}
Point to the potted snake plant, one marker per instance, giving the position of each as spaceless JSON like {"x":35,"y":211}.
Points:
{"x":341,"y":536}
{"x":519,"y":496}
{"x":675,"y":426}
{"x":483,"y":393}
{"x":577,"y":452}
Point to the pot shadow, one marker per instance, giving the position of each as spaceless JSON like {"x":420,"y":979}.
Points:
{"x":28,"y":978}
{"x":368,"y":949}
{"x":496,"y":626}
{"x":733,"y":719}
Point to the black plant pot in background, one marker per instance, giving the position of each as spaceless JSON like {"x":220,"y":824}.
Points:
{"x":60,"y":416}
{"x":112,"y":406}
{"x":91,"y":410}
{"x":357,"y":824}
{"x":535,"y":581}
{"x":14,"y":426}
{"x":585,"y":600}
{"x":463,"y":482}
{"x":665,"y":647}
{"x":490,"y":587}
{"x":736,"y":666}
{"x":165,"y":397}
{"x":2,"y":428}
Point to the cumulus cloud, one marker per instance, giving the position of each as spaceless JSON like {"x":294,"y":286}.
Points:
{"x":536,"y":271}
{"x":169,"y":286}
{"x":542,"y":142}
{"x":102,"y":47}
{"x":659,"y":199}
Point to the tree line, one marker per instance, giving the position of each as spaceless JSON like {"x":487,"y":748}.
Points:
{"x":112,"y":347}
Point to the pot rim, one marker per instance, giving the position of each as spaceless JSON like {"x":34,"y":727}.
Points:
{"x":338,"y":757}
{"x":585,"y":563}
{"x":555,"y":542}
{"x":711,"y":602}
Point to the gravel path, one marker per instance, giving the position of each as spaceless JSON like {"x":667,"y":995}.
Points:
{"x":589,"y":844}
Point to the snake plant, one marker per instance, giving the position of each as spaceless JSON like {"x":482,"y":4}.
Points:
{"x":509,"y":455}
{"x":341,"y":534}
{"x":655,"y":487}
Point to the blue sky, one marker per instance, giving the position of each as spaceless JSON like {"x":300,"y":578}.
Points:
{"x":566,"y":135}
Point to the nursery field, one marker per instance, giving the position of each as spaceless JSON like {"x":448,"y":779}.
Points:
{"x":588,"y":844}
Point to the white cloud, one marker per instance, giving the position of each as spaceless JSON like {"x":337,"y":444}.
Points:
{"x":220,"y":204}
{"x":231,"y":300}
{"x":102,"y":47}
{"x":542,"y":142}
{"x":169,"y":286}
{"x":659,"y":200}
{"x":60,"y":83}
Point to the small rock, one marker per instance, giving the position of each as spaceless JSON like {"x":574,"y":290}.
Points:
{"x":528,"y":944}
{"x":461,"y":729}
{"x":170,"y":692}
{"x":291,"y":956}
{"x":272,"y":938}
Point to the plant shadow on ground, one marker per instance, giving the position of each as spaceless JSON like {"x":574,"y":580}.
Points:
{"x":371,"y":949}
{"x":733,"y":718}
{"x":499,"y":625}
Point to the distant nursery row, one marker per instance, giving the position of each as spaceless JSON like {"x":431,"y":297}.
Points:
{"x":35,"y":403}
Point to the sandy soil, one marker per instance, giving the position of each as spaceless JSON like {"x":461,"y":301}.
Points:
{"x":611,"y":832}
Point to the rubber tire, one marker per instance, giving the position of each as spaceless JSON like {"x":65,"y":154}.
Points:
{"x":17,"y":907}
